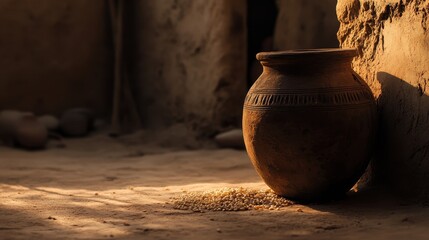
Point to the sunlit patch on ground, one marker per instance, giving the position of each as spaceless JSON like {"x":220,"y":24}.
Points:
{"x":65,"y":194}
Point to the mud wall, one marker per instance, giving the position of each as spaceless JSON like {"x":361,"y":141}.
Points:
{"x":306,"y":24}
{"x":190,"y":62}
{"x":392,"y":38}
{"x":187,"y":59}
{"x":54,"y":55}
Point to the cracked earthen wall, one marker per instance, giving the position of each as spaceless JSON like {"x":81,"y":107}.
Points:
{"x":190,"y":62}
{"x":54,"y":55}
{"x":392,"y":39}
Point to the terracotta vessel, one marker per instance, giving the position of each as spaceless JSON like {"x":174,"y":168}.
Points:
{"x":309,"y":123}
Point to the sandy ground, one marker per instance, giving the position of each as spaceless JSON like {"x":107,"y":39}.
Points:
{"x":97,"y":188}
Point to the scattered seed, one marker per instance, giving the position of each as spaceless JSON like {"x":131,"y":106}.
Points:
{"x":230,"y":199}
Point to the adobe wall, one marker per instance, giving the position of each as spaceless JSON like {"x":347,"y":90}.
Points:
{"x":392,"y":39}
{"x":54,"y":55}
{"x":190,"y":62}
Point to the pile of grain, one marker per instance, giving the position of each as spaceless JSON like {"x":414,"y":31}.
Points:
{"x":230,"y":199}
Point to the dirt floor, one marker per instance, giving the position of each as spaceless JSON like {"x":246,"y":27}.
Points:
{"x":100,"y":188}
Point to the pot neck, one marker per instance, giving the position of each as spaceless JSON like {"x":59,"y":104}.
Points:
{"x":312,"y":60}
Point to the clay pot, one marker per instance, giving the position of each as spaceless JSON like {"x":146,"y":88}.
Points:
{"x":309,"y":123}
{"x":30,"y":133}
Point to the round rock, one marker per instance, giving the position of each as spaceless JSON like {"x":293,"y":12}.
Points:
{"x":230,"y":139}
{"x":30,"y":133}
{"x":50,"y":122}
{"x":9,"y":120}
{"x":76,"y":122}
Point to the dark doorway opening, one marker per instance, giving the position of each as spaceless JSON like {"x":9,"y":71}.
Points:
{"x":262,"y":15}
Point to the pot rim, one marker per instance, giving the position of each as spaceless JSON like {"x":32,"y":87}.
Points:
{"x":316,"y":52}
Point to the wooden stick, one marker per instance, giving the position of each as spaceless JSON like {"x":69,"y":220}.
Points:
{"x":122,"y":86}
{"x":112,"y":16}
{"x":128,"y":94}
{"x":118,"y":26}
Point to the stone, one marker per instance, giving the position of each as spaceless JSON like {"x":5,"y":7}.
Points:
{"x":9,"y":120}
{"x":392,"y":40}
{"x":49,"y":121}
{"x":230,"y":139}
{"x":89,"y":113}
{"x":76,"y":122}
{"x":30,"y":133}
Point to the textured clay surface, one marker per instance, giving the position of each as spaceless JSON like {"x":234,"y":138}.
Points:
{"x":190,"y":62}
{"x":392,"y":39}
{"x":54,"y":55}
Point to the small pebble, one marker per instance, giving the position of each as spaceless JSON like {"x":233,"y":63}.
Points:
{"x":30,"y":133}
{"x":76,"y":122}
{"x":50,"y":122}
{"x":230,"y":139}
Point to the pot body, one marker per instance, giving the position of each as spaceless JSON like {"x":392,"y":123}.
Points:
{"x":309,"y":123}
